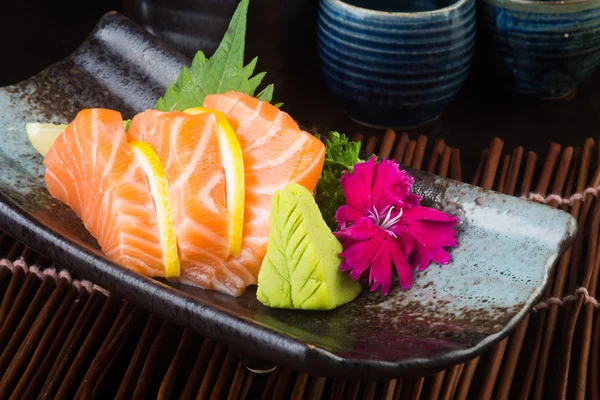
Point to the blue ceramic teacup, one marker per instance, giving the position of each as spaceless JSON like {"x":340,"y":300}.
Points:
{"x":543,"y":48}
{"x":396,"y":63}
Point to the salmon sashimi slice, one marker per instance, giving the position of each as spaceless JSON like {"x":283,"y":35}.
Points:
{"x":92,"y":168}
{"x":188,"y":147}
{"x":276,"y":152}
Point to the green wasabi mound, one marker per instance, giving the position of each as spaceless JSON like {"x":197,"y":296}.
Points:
{"x":301,"y":267}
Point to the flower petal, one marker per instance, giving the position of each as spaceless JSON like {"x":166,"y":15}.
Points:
{"x":391,"y":187}
{"x":428,"y":226}
{"x":411,"y":200}
{"x":419,"y":258}
{"x":357,"y":186}
{"x":431,"y":233}
{"x":382,"y":223}
{"x":363,"y":229}
{"x":439,"y":255}
{"x":406,"y":243}
{"x":402,"y":267}
{"x":422,"y":240}
{"x":427,"y":214}
{"x":358,"y":257}
{"x":346,"y":215}
{"x":381,"y":268}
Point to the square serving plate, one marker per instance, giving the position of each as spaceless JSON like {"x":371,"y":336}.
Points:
{"x":507,"y":246}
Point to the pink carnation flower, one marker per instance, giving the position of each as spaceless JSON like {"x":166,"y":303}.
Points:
{"x":382,"y":224}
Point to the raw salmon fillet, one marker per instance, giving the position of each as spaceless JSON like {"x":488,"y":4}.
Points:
{"x":188,"y":147}
{"x":92,"y":168}
{"x":276,"y":152}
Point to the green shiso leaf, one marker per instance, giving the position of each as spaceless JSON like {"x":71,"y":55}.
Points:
{"x":341,"y":154}
{"x":222,"y":72}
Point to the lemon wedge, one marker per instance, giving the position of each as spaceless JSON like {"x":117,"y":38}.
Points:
{"x":233,"y":164}
{"x":42,"y":136}
{"x":159,"y":187}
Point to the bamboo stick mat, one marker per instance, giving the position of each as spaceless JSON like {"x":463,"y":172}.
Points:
{"x":65,"y":338}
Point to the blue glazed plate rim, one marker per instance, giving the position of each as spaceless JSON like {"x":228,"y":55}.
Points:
{"x":282,"y":349}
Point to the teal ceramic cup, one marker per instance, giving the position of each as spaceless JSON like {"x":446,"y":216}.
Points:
{"x":542,"y":48}
{"x":396,"y":64}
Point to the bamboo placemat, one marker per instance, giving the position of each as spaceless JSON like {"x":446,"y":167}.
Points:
{"x":61,"y":337}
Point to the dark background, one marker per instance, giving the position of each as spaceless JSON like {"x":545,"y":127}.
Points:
{"x":34,"y":34}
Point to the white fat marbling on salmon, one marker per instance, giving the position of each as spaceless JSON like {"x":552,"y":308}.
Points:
{"x":92,"y":169}
{"x":276,"y":152}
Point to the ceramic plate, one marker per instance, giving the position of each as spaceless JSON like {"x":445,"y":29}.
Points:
{"x":507,"y":246}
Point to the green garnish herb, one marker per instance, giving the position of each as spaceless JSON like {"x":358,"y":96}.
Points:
{"x":222,"y":72}
{"x":340,"y":155}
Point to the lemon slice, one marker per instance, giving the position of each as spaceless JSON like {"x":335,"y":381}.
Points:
{"x":233,"y":164}
{"x":42,"y":136}
{"x":159,"y":186}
